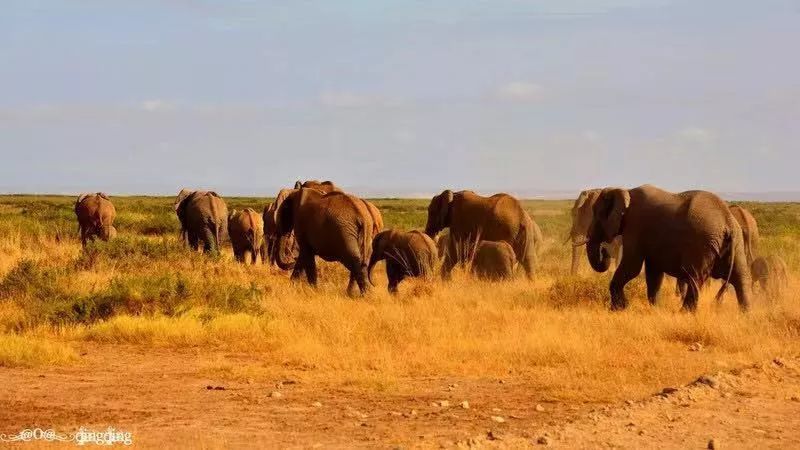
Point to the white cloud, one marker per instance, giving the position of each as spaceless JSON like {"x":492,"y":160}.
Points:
{"x":157,"y":105}
{"x":520,"y":91}
{"x":697,"y":135}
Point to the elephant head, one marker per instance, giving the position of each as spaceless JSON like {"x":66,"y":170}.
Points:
{"x":607,"y":221}
{"x":380,"y":245}
{"x":286,"y":205}
{"x":439,"y":213}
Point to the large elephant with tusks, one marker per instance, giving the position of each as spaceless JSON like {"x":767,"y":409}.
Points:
{"x":334,"y":226}
{"x":472,"y":218}
{"x":204,"y":219}
{"x":691,"y":236}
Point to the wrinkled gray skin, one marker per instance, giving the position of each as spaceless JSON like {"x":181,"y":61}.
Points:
{"x":494,"y":261}
{"x":771,"y":274}
{"x":96,"y":215}
{"x":750,"y":235}
{"x":204,"y":219}
{"x":246,"y":231}
{"x":472,"y":218}
{"x":581,"y":220}
{"x":691,"y":236}
{"x":407,"y":254}
{"x":335,"y":226}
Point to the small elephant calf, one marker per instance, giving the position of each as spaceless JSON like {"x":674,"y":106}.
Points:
{"x":494,"y":261}
{"x":410,"y":253}
{"x":770,"y":273}
{"x":246,"y":230}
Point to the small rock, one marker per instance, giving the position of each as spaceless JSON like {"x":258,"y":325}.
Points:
{"x":275,"y":394}
{"x":696,"y":347}
{"x":668,"y":391}
{"x":629,"y":402}
{"x":642,"y":433}
{"x":465,"y":404}
{"x":539,"y":408}
{"x":443,"y":403}
{"x":779,"y":362}
{"x":317,"y":405}
{"x":795,"y":398}
{"x":713,"y":444}
{"x":544,"y":440}
{"x":709,"y":381}
{"x":498,"y":419}
{"x":492,"y":435}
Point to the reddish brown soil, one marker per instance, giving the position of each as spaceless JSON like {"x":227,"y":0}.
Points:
{"x":161,"y":396}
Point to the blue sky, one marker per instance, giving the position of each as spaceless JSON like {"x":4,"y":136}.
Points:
{"x":399,"y":97}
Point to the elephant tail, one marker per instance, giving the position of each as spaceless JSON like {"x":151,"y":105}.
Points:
{"x":364,"y":237}
{"x":728,"y":244}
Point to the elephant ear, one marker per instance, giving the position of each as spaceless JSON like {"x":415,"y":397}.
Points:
{"x":581,"y":200}
{"x":81,"y":198}
{"x":286,"y":210}
{"x":276,"y":205}
{"x":103,"y":195}
{"x":379,"y":245}
{"x":182,"y":195}
{"x":445,"y":203}
{"x":610,"y":210}
{"x":298,"y":184}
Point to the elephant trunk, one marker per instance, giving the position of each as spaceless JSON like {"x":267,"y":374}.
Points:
{"x":598,"y":256}
{"x":278,"y":255}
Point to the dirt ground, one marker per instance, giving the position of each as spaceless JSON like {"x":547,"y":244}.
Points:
{"x":163,"y":398}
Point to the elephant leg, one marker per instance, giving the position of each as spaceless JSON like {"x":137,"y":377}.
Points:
{"x":395,"y":275}
{"x":528,"y":263}
{"x":740,"y":279}
{"x":654,"y":279}
{"x":449,"y":261}
{"x":690,"y":295}
{"x":576,"y":255}
{"x":310,"y":268}
{"x":362,"y":279}
{"x":194,"y":242}
{"x":680,"y":287}
{"x":209,"y":240}
{"x":629,"y":268}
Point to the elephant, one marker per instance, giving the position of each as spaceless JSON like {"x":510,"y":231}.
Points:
{"x":96,"y":215}
{"x":246,"y":231}
{"x":269,"y":250}
{"x":581,"y":219}
{"x":377,"y":217}
{"x":407,"y":254}
{"x":334,"y":226}
{"x":472,"y":218}
{"x":691,"y":236}
{"x":204,"y":218}
{"x":324,"y":186}
{"x":749,"y":231}
{"x":750,"y":234}
{"x":771,"y":274}
{"x":494,"y":261}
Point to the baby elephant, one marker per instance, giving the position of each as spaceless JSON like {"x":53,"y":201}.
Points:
{"x":494,"y":261}
{"x":246,"y":231}
{"x":96,"y":216}
{"x":770,"y":273}
{"x":410,"y":253}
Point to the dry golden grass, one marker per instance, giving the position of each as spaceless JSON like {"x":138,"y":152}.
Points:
{"x":556,"y":332}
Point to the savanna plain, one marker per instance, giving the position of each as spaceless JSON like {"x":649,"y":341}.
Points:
{"x":190,"y":351}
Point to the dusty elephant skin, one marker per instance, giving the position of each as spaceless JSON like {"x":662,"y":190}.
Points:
{"x":246,"y":231}
{"x":335,"y":226}
{"x":96,"y":215}
{"x":582,"y":212}
{"x":472,"y":218}
{"x":204,"y":219}
{"x":494,"y":261}
{"x":407,"y":254}
{"x":691,"y":236}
